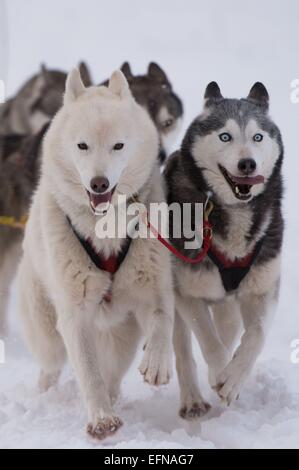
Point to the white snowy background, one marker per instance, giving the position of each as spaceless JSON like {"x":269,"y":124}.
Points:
{"x":235,"y":43}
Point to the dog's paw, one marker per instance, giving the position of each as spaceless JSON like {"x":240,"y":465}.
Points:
{"x":104,"y":427}
{"x":47,"y":380}
{"x":229,"y":383}
{"x":194,"y":410}
{"x":156,"y":366}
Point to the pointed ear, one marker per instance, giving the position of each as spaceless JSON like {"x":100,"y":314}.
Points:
{"x":43,"y":69}
{"x":38,"y":88}
{"x":118,"y":84}
{"x":155,"y":72}
{"x":212,"y":93}
{"x":259,"y":96}
{"x":85,"y":74}
{"x":43,"y":75}
{"x":126,"y":70}
{"x":74,"y":86}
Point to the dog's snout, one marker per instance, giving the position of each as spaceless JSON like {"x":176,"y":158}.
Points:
{"x":247,"y":166}
{"x":100,"y":184}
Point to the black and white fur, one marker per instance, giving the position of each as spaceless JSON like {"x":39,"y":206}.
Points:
{"x":238,"y":225}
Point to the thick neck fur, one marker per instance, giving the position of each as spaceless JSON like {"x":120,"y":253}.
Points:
{"x":237,"y":228}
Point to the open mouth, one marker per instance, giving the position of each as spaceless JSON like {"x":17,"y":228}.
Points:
{"x":100,"y":203}
{"x":241,"y":185}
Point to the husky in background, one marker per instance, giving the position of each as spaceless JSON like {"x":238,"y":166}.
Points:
{"x":233,"y":151}
{"x":23,"y":122}
{"x":19,"y":173}
{"x":154,"y":92}
{"x":37,"y":102}
{"x":82,"y":293}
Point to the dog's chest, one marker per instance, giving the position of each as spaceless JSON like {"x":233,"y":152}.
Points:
{"x":204,"y":283}
{"x":138,"y":273}
{"x":133,"y":287}
{"x":235,"y":243}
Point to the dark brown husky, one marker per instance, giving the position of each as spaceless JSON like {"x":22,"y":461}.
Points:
{"x":154,"y":92}
{"x":23,"y":123}
{"x":37,"y":101}
{"x":19,"y":173}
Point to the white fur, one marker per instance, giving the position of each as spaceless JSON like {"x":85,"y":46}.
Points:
{"x":61,"y":291}
{"x":256,"y":300}
{"x":169,"y":135}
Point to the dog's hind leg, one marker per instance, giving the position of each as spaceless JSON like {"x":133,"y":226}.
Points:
{"x":228,"y":321}
{"x":39,"y":323}
{"x":8,"y":269}
{"x":4,"y":295}
{"x":193,"y":405}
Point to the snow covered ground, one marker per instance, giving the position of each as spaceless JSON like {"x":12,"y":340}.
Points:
{"x":235,"y":43}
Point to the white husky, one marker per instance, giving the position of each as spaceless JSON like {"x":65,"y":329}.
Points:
{"x":99,"y":145}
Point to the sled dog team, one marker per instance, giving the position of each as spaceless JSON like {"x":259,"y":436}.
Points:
{"x":94,"y":299}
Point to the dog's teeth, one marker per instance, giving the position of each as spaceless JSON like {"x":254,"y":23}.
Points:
{"x":237,"y":190}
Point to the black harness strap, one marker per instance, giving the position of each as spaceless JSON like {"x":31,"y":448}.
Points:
{"x":111,"y":264}
{"x":233,"y":276}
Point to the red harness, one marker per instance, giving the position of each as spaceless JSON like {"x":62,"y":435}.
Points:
{"x":231,"y":272}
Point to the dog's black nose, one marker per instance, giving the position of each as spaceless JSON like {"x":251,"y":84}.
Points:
{"x":100,"y":184}
{"x":247,"y":166}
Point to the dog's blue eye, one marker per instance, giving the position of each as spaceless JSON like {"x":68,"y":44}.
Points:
{"x":118,"y":146}
{"x":225,"y":137}
{"x":258,"y":137}
{"x":83,"y":146}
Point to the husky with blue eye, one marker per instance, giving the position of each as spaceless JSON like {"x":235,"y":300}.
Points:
{"x":232,"y":152}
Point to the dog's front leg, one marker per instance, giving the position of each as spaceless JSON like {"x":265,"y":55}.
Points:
{"x":193,"y":405}
{"x":157,"y":321}
{"x":257,"y":311}
{"x":78,"y":331}
{"x":196,"y":314}
{"x":156,"y":364}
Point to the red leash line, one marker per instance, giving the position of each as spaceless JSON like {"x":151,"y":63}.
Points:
{"x":207,"y":237}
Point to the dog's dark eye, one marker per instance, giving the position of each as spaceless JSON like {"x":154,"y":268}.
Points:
{"x":225,"y":137}
{"x":118,"y":146}
{"x":152,"y":104}
{"x":83,"y":146}
{"x":258,"y":137}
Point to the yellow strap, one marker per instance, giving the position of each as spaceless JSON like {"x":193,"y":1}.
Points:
{"x":13,"y":222}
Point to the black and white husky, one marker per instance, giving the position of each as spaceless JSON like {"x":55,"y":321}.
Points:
{"x":233,"y":151}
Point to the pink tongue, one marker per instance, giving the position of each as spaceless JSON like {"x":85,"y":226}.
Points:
{"x":97,"y":199}
{"x":249,"y":180}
